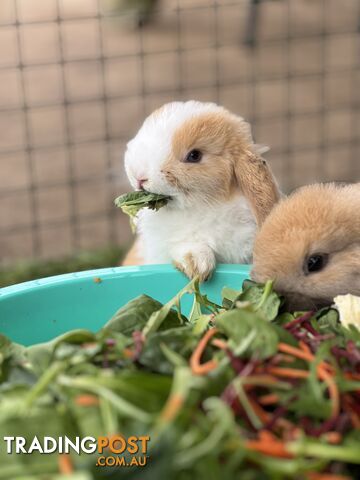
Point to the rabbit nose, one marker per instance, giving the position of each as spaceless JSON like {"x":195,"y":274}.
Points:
{"x":140,"y":182}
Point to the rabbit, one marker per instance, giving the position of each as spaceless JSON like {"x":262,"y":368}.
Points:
{"x":221,"y":189}
{"x":310,"y":245}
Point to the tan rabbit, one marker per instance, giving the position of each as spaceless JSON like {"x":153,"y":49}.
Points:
{"x":310,"y":245}
{"x":204,"y":158}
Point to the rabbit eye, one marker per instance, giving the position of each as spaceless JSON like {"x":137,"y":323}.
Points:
{"x":194,"y":156}
{"x":315,"y":263}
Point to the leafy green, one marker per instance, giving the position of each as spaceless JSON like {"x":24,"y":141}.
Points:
{"x":262,"y":298}
{"x":142,"y":372}
{"x":135,"y":315}
{"x":158,"y":317}
{"x":245,"y":327}
{"x":178,"y":340}
{"x":131,"y":203}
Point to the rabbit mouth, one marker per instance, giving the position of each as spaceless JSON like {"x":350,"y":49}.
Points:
{"x":156,"y":192}
{"x":299,"y":302}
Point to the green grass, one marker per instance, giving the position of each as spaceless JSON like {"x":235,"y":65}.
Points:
{"x":31,"y":270}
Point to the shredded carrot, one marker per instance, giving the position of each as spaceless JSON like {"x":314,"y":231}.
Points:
{"x":274,"y":449}
{"x":296,"y":352}
{"x":65,"y":464}
{"x":304,"y":353}
{"x":260,"y":379}
{"x":172,"y":406}
{"x":268,"y":399}
{"x":128,"y":353}
{"x":332,"y":387}
{"x":288,"y":372}
{"x":266,"y":436}
{"x":217,"y":342}
{"x":269,"y":445}
{"x":86,"y":400}
{"x":322,"y":370}
{"x":333,"y":437}
{"x":196,"y":367}
{"x":329,"y":368}
{"x":283,"y":357}
{"x":259,"y":411}
{"x":305,"y":347}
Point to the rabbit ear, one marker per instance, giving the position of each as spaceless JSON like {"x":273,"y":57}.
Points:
{"x":257,"y":182}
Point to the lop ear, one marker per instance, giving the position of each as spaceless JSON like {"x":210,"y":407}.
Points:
{"x":257,"y":182}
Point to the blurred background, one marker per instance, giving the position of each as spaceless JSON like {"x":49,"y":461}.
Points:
{"x":77,"y":78}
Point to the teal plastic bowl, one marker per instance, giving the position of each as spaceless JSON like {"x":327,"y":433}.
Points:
{"x":38,"y":311}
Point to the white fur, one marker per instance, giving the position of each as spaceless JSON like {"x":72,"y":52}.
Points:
{"x":227,"y":229}
{"x":218,"y":232}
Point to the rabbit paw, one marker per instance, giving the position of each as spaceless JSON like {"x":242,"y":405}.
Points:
{"x":195,"y":263}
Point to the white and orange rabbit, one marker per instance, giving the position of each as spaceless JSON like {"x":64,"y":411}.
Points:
{"x":221,"y":189}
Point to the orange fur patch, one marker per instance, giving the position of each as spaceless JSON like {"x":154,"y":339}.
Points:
{"x":315,"y":219}
{"x":229,"y":161}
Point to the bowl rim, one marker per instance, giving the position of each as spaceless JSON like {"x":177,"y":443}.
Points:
{"x":108,"y":273}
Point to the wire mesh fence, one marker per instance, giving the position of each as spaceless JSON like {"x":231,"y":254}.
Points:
{"x":77,"y":77}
